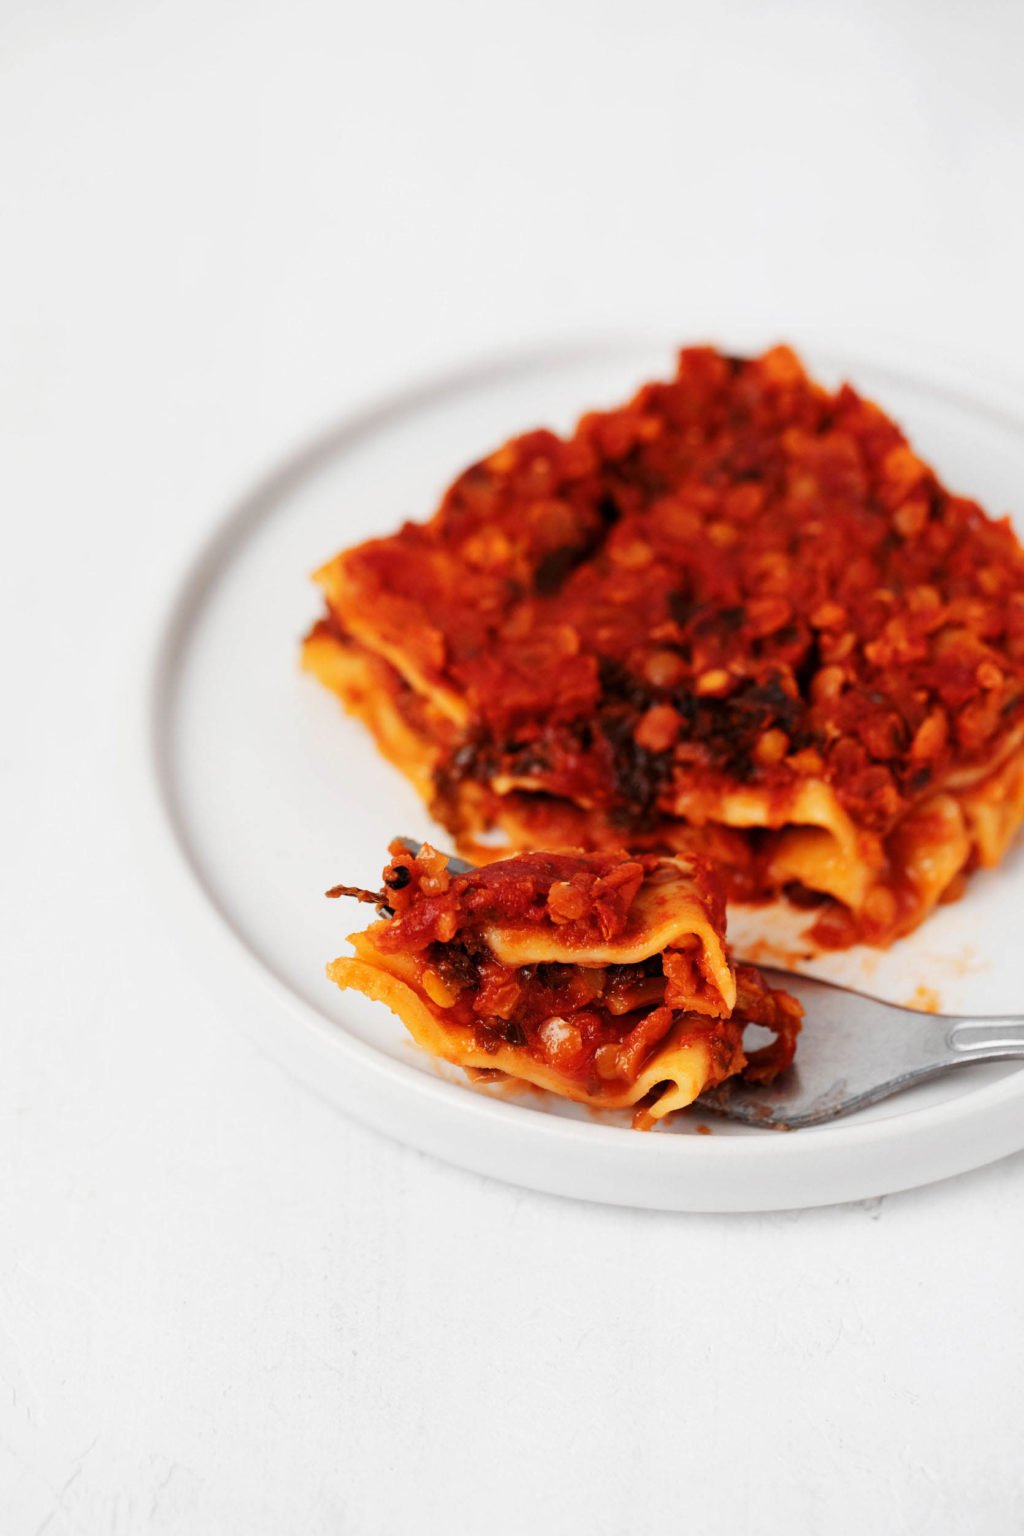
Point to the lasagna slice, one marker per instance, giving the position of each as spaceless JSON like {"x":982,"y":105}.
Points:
{"x":736,"y":616}
{"x":601,"y":977}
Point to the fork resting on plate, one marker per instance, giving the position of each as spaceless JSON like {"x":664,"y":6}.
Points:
{"x":855,"y":1050}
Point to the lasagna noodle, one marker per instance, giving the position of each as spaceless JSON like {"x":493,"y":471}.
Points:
{"x":385,"y":628}
{"x":666,"y":913}
{"x":683,"y":1064}
{"x":369,"y":689}
{"x":994,"y":810}
{"x":737,"y":611}
{"x":602,"y":977}
{"x":811,"y":841}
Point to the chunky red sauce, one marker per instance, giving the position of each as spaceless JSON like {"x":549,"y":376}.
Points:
{"x":592,"y":1024}
{"x":588,"y":898}
{"x":573,"y":1019}
{"x":738,"y":577}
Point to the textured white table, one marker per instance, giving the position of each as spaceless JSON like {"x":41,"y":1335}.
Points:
{"x":222,"y":1307}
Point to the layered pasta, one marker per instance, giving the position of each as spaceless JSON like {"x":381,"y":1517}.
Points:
{"x":598,"y":976}
{"x":737,"y":617}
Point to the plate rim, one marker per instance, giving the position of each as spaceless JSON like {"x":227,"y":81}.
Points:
{"x":198,"y":916}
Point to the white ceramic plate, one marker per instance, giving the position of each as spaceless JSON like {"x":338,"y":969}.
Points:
{"x":266,"y":793}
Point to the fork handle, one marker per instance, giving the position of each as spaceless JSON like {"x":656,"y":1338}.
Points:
{"x":994,"y":1039}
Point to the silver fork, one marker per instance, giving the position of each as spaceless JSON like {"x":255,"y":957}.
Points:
{"x":853,"y":1051}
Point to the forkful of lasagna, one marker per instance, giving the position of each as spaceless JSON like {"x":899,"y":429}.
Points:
{"x":601,"y":977}
{"x":605,"y":978}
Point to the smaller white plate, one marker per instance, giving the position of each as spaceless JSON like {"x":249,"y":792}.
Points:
{"x":262,"y":793}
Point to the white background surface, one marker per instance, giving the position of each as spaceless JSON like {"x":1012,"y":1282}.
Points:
{"x":223,"y":1308}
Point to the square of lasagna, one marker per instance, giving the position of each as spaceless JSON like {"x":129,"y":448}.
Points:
{"x":737,"y":616}
{"x":601,"y":977}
